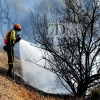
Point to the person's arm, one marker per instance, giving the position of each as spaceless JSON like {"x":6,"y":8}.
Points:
{"x":13,"y":35}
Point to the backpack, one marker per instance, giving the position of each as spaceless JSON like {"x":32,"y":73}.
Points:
{"x":6,"y":37}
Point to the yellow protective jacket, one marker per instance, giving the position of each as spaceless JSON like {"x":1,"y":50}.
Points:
{"x":11,"y":37}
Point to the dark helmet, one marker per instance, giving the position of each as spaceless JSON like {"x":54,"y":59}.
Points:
{"x":17,"y":27}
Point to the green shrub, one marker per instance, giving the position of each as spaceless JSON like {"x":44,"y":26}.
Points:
{"x":95,"y":94}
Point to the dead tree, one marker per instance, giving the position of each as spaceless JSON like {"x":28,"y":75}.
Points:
{"x":75,"y":57}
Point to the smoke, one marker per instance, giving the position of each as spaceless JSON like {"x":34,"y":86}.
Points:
{"x":34,"y":74}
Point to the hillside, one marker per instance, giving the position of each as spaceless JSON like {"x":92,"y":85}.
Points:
{"x":18,"y":89}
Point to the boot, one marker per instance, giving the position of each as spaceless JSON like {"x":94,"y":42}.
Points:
{"x":9,"y":73}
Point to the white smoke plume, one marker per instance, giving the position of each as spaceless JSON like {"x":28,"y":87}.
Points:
{"x":34,"y":74}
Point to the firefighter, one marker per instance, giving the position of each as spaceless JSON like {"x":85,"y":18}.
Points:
{"x":12,"y":39}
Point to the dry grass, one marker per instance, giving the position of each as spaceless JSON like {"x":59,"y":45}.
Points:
{"x":4,"y":63}
{"x":3,"y":59}
{"x":10,"y":90}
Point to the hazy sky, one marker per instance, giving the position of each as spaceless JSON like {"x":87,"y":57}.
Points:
{"x":30,"y":3}
{"x":19,"y":11}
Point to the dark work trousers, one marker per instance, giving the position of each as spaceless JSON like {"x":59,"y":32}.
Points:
{"x":10,"y":54}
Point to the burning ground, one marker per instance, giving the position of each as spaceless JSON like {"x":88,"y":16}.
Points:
{"x":18,"y":89}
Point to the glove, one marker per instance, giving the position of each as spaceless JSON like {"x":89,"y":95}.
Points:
{"x":18,"y":38}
